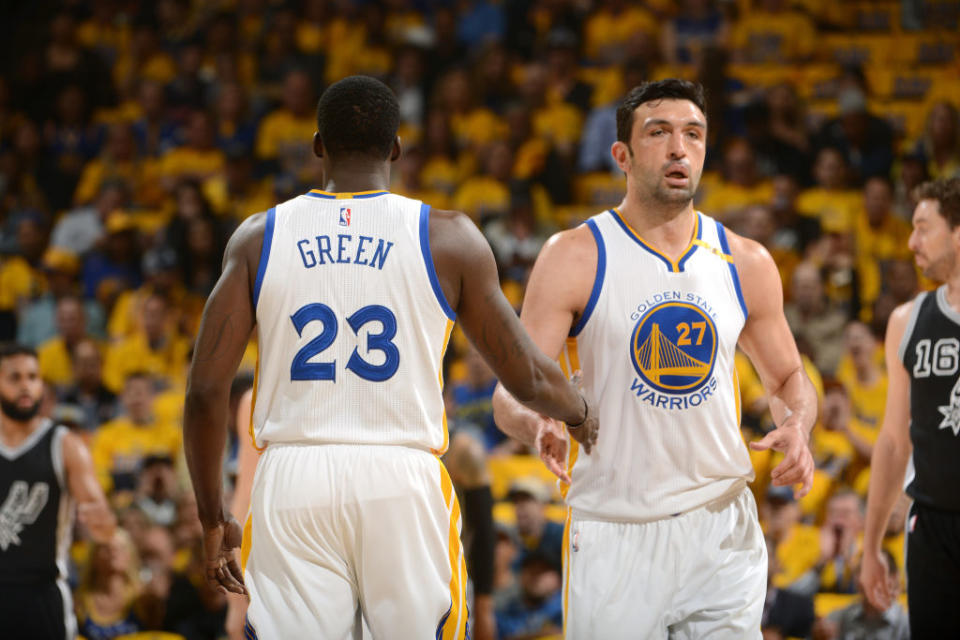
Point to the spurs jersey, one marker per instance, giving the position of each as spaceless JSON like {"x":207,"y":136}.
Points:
{"x":656,"y":346}
{"x":352,"y":324}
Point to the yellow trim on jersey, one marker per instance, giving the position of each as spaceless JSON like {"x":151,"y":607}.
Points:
{"x":346,"y":195}
{"x":443,"y":350}
{"x":675,"y":264}
{"x":717,"y":252}
{"x":565,"y":558}
{"x":573,"y":354}
{"x":570,"y":363}
{"x":736,"y":394}
{"x":455,"y":626}
{"x":253,"y":403}
{"x":245,"y":541}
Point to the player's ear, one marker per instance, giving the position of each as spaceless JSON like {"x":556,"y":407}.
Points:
{"x":317,"y":145}
{"x":396,"y":151}
{"x":621,"y":155}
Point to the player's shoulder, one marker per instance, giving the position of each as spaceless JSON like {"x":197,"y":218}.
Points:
{"x":574,"y":246}
{"x":247,"y":239}
{"x":749,"y":254}
{"x":900,"y":318}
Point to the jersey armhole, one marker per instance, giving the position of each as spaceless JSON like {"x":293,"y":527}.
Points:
{"x":56,"y":454}
{"x":428,"y":262}
{"x":597,"y":279}
{"x":725,"y":247}
{"x":264,"y":255}
{"x":908,"y":330}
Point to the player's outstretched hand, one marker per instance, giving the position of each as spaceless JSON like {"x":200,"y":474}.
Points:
{"x":875,"y":578}
{"x":797,"y":465}
{"x":552,"y":446}
{"x":223,"y":570}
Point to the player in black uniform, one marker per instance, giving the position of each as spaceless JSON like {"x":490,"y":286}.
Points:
{"x":44,"y":468}
{"x":923,"y":418}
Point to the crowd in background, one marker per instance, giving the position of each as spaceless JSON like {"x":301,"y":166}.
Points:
{"x":135,"y":136}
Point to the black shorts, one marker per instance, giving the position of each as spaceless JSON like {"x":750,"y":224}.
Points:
{"x":933,"y":572}
{"x":35,"y":612}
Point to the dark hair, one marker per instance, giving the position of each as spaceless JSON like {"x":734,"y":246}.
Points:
{"x":946,"y":192}
{"x":669,"y":89}
{"x":358,"y":114}
{"x":11,"y":349}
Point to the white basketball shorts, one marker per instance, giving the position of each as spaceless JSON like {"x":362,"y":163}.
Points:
{"x":340,"y":532}
{"x":701,"y":574}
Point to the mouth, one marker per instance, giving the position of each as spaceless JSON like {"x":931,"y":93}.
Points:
{"x":677,"y":176}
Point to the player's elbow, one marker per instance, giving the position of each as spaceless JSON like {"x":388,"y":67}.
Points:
{"x":525,"y":383}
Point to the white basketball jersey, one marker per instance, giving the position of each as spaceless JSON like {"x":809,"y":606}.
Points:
{"x":656,"y":346}
{"x":352,"y":324}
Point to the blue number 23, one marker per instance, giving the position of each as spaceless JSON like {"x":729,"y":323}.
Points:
{"x":302,"y":369}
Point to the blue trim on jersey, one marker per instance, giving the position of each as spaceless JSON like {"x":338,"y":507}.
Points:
{"x":428,"y":261}
{"x":693,"y":245}
{"x":725,"y":246}
{"x":248,"y":631}
{"x":597,"y":279}
{"x":264,"y":255}
{"x":443,"y":621}
{"x":632,"y":236}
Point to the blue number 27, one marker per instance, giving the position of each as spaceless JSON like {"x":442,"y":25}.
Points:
{"x":302,"y":369}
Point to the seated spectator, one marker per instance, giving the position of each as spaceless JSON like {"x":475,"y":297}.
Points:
{"x":157,"y":490}
{"x":773,"y":33}
{"x":195,"y":609}
{"x":697,"y":25}
{"x":757,"y":223}
{"x":863,"y":374}
{"x":517,"y":238}
{"x":56,"y":354}
{"x":814,"y":319}
{"x":834,"y":205}
{"x":237,"y":195}
{"x":21,"y":278}
{"x":740,"y":184}
{"x":283,"y":139}
{"x":794,"y":544}
{"x":38,"y":320}
{"x":82,"y":229}
{"x":109,"y":591}
{"x":198,"y":158}
{"x":794,"y":232}
{"x":537,"y":534}
{"x":865,"y":140}
{"x":118,"y":162}
{"x":840,"y":542}
{"x":121,"y":446}
{"x":939,"y":149}
{"x":785,"y":614}
{"x":881,"y":237}
{"x":158,"y":348}
{"x":862,"y":621}
{"x":612,"y":26}
{"x":778,"y":132}
{"x":96,"y":403}
{"x":537,"y":611}
{"x":116,"y":266}
{"x":473,"y":397}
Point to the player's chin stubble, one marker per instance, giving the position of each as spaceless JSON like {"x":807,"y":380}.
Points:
{"x":15,"y":412}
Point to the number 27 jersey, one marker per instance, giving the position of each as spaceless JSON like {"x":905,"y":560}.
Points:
{"x":352,"y":324}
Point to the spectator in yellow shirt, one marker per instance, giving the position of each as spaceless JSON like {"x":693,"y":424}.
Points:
{"x":487,"y":195}
{"x":880,"y":238}
{"x":610,"y":28}
{"x":283,"y":139}
{"x":120,"y":446}
{"x":55,"y":355}
{"x":939,"y":148}
{"x":831,"y":202}
{"x":158,"y":349}
{"x":795,"y":544}
{"x":740,"y":185}
{"x":95,"y":402}
{"x":21,"y":279}
{"x":117,"y":162}
{"x":773,"y":33}
{"x":199,"y":158}
{"x":840,"y":543}
{"x":814,"y":319}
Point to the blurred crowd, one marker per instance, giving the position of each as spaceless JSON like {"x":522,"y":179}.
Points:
{"x":135,"y":136}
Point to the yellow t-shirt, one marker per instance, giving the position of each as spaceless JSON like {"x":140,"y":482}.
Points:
{"x":774,"y":37}
{"x":797,"y":554}
{"x":478,"y":127}
{"x":482,"y":196}
{"x":559,"y":122}
{"x":133,"y":354}
{"x":120,"y":446}
{"x":282,"y":133}
{"x":56,"y":365}
{"x":607,"y":32}
{"x":97,"y":171}
{"x":723,"y":197}
{"x":19,"y":282}
{"x":875,"y":246}
{"x":184,"y":161}
{"x":836,"y":210}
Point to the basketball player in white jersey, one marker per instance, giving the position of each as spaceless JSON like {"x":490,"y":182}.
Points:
{"x":353,"y":292}
{"x":649,"y":301}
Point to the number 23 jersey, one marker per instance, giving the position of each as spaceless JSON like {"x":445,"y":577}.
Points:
{"x":656,"y":346}
{"x":352,"y":324}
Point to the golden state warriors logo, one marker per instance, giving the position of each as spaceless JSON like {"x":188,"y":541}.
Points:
{"x":673,"y":347}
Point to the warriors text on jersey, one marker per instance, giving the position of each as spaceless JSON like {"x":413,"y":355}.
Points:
{"x":656,"y":346}
{"x":352,"y":323}
{"x":930,"y":352}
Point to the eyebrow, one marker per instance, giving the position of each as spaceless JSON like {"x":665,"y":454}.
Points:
{"x":688,"y":123}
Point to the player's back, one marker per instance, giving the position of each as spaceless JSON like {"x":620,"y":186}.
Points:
{"x":352,"y":323}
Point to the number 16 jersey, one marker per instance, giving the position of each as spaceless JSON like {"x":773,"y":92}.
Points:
{"x":656,"y":346}
{"x":352,"y":324}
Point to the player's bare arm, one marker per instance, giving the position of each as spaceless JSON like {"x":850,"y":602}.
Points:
{"x":93,"y":511}
{"x":469,"y":279}
{"x":890,"y":457}
{"x":228,"y":319}
{"x":556,"y":295}
{"x":768,"y":342}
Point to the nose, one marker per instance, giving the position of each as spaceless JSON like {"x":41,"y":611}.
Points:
{"x":912,"y":242}
{"x":676,"y":148}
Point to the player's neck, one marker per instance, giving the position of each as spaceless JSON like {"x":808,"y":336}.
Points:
{"x":14,"y":432}
{"x":356,"y":177}
{"x":668,"y":229}
{"x":953,"y":289}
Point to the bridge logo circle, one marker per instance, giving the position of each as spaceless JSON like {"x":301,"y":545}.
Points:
{"x":673,"y":347}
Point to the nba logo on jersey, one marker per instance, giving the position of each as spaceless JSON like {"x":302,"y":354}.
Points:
{"x":344,"y":216}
